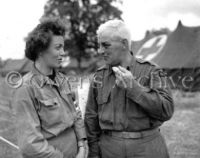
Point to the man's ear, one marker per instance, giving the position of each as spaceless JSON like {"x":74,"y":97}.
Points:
{"x":125,"y":44}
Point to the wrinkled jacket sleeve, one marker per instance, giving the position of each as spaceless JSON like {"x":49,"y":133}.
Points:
{"x":92,"y":123}
{"x":31,"y":142}
{"x":79,"y":126}
{"x":157,"y":99}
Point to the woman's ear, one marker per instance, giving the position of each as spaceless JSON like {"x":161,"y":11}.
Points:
{"x":39,"y":56}
{"x":41,"y":53}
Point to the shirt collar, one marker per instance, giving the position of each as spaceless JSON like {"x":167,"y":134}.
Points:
{"x":44,"y":79}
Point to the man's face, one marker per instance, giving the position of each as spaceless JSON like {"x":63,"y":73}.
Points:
{"x":111,"y":48}
{"x":54,"y":54}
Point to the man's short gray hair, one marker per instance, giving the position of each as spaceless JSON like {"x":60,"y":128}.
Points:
{"x":115,"y":28}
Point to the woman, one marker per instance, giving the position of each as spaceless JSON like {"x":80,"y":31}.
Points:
{"x":48,"y":124}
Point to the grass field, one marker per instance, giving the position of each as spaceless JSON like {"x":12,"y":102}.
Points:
{"x":7,"y":122}
{"x":182,"y":132}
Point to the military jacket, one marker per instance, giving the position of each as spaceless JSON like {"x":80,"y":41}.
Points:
{"x":144,"y":106}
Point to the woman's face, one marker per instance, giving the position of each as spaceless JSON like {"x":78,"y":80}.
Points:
{"x":54,"y":54}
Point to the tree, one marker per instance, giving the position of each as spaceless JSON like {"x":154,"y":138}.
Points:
{"x":82,"y":18}
{"x":1,"y":63}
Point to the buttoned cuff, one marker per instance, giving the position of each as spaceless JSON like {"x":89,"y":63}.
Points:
{"x":81,"y":143}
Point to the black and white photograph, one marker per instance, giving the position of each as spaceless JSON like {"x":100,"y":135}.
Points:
{"x":100,"y":79}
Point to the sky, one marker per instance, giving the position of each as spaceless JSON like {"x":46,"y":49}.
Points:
{"x":19,"y":17}
{"x":142,"y":15}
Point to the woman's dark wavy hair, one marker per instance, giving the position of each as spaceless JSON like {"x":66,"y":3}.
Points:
{"x":39,"y":39}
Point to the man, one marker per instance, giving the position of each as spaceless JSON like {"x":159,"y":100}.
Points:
{"x":128,"y":101}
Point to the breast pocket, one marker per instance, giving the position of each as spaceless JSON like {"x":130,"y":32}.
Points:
{"x":50,"y":112}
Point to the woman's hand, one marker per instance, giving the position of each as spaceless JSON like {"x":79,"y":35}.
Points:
{"x":86,"y":148}
{"x":81,"y":152}
{"x":83,"y":149}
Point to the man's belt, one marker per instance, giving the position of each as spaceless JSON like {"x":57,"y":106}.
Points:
{"x":123,"y":134}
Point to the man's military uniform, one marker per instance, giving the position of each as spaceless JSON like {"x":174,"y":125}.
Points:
{"x":124,"y":123}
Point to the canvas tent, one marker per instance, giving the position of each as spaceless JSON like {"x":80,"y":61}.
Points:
{"x":182,"y":48}
{"x":20,"y":65}
{"x":136,"y":45}
{"x":179,"y":56}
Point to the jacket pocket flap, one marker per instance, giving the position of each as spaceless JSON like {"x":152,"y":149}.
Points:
{"x":50,"y":102}
{"x":103,"y":99}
